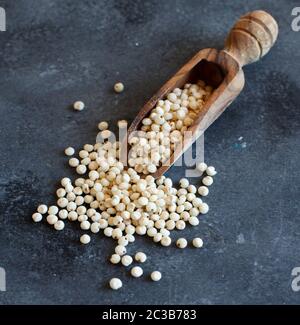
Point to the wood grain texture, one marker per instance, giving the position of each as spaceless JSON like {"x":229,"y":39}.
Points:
{"x":251,"y":37}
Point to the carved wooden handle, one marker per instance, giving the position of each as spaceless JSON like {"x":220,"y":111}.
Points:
{"x":251,"y":37}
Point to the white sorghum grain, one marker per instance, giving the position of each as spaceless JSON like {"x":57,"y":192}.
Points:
{"x":103,"y":126}
{"x":61,"y":192}
{"x":126,"y":260}
{"x":71,"y":206}
{"x":181,"y":243}
{"x":157,"y":238}
{"x":62,"y":202}
{"x":115,"y":283}
{"x":194,"y":212}
{"x":159,"y":224}
{"x":192,"y":189}
{"x":203,"y":208}
{"x":120,"y":200}
{"x":170,"y":224}
{"x":59,"y":225}
{"x":184,"y":183}
{"x":155,"y":276}
{"x":141,"y":230}
{"x":52,"y":219}
{"x":81,"y":169}
{"x":120,"y":250}
{"x":83,"y":154}
{"x":81,"y":210}
{"x":136,"y":271}
{"x":119,"y":87}
{"x":53,"y":209}
{"x":197,"y":242}
{"x":166,"y":241}
{"x":180,"y":224}
{"x":190,"y":196}
{"x":72,"y":216}
{"x":202,"y":167}
{"x":63,"y":214}
{"x":85,"y":239}
{"x":115,"y":259}
{"x":166,"y":123}
{"x":107,"y":231}
{"x":42,"y":209}
{"x":165,"y":232}
{"x":203,"y":190}
{"x":37,"y":217}
{"x":73,"y":162}
{"x":123,"y":241}
{"x":140,"y":257}
{"x":207,"y":180}
{"x":82,"y":217}
{"x":211,"y":171}
{"x":65,"y":181}
{"x":196,"y":202}
{"x":193,"y":221}
{"x":95,"y":227}
{"x":77,"y":191}
{"x":78,"y":106}
{"x":130,"y":238}
{"x":88,"y":147}
{"x":69,"y":151}
{"x":85,"y":225}
{"x":79,"y":182}
{"x":151,"y":232}
{"x":103,"y":224}
{"x":69,"y":188}
{"x":117,"y":233}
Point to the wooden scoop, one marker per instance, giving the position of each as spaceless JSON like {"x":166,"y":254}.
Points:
{"x":249,"y":39}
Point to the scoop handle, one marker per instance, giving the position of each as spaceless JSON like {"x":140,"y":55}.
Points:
{"x":251,"y":37}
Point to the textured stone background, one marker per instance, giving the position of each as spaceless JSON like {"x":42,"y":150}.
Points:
{"x":55,"y":52}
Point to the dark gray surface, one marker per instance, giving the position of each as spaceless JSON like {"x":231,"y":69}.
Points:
{"x":56,"y":52}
